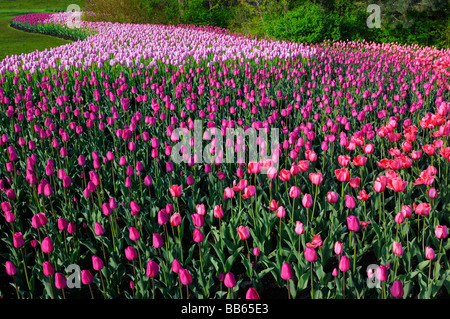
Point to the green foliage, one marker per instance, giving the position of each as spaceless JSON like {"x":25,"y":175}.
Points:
{"x":306,"y":23}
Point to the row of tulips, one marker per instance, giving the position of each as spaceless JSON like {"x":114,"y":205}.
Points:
{"x":89,"y":132}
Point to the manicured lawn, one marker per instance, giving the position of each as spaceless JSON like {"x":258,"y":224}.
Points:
{"x":13,"y":41}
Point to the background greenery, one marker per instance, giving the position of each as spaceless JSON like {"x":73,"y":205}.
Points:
{"x":425,"y":22}
{"x":13,"y":41}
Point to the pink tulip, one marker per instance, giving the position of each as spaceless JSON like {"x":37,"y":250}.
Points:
{"x":133,"y":234}
{"x":47,"y":245}
{"x":131,"y":253}
{"x":332,"y":197}
{"x":353,"y":223}
{"x":344,"y":264}
{"x":397,"y":248}
{"x":294,"y":192}
{"x":310,"y":254}
{"x":429,"y":253}
{"x":316,"y":178}
{"x":86,"y":277}
{"x":299,"y":229}
{"x":152,"y":269}
{"x":243,"y":232}
{"x":60,"y":281}
{"x":48,"y":269}
{"x":281,"y":212}
{"x":397,"y":289}
{"x":10,"y":268}
{"x":441,"y":231}
{"x":286,"y":271}
{"x":97,"y":263}
{"x":198,"y":235}
{"x":185,"y":276}
{"x":229,"y":280}
{"x":175,"y":220}
{"x":252,"y":294}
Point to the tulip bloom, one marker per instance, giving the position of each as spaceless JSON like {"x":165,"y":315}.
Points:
{"x":175,"y":220}
{"x":229,"y":280}
{"x":200,"y":209}
{"x":310,"y":254}
{"x":176,"y":190}
{"x":131,"y":253}
{"x":307,"y":200}
{"x":353,"y":223}
{"x":252,"y":294}
{"x":397,"y":289}
{"x":338,"y":248}
{"x":294,"y":192}
{"x":60,"y":281}
{"x":284,"y":175}
{"x":344,"y":264}
{"x":397,"y":248}
{"x":133,"y":234}
{"x":281,"y":212}
{"x":286,"y":271}
{"x":316,"y":178}
{"x":441,"y":231}
{"x":198,"y":235}
{"x":185,"y":276}
{"x":218,"y":211}
{"x":97,"y":263}
{"x":429,"y":253}
{"x":152,"y":269}
{"x":47,"y":245}
{"x":350,"y":201}
{"x":332,"y":197}
{"x":243,"y":232}
{"x":342,"y":174}
{"x":10,"y":268}
{"x":273,"y":205}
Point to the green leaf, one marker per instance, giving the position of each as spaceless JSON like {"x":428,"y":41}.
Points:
{"x":303,"y":281}
{"x":231,"y":259}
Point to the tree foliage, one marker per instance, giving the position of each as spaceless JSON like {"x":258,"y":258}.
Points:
{"x":425,"y":22}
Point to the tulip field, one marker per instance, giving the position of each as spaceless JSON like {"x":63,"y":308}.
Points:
{"x":348,"y":197}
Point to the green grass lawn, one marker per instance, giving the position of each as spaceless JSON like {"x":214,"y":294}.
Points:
{"x":13,"y":41}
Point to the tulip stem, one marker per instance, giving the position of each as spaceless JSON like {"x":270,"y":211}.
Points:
{"x":51,"y":287}
{"x":312,"y":286}
{"x":103,"y":248}
{"x":299,"y":243}
{"x":163,"y":265}
{"x":280,"y":236}
{"x":153,"y":287}
{"x":103,"y":284}
{"x":343,"y":284}
{"x":26,"y":274}
{"x":396,"y":267}
{"x":200,"y":254}
{"x":17,"y":290}
{"x":181,"y":291}
{"x":181,"y":247}
{"x":354,"y":253}
{"x":429,"y":274}
{"x":423,"y":235}
{"x":293,"y":207}
{"x":289,"y":293}
{"x":112,"y":232}
{"x":90,"y":289}
{"x":314,"y":205}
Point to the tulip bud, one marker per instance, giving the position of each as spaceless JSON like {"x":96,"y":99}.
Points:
{"x":344,"y":264}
